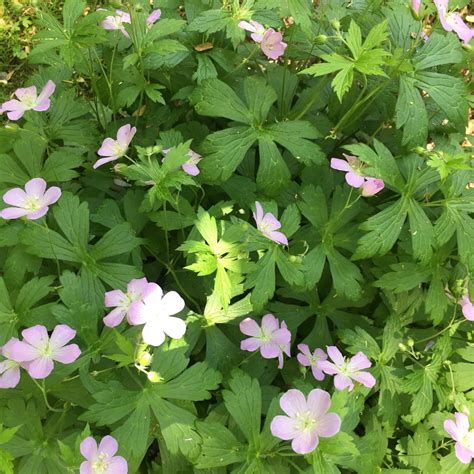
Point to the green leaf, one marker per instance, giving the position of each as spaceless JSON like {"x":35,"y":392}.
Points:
{"x":164,"y":27}
{"x":59,"y":166}
{"x":32,"y":292}
{"x":463,"y":373}
{"x":225,"y":150}
{"x":193,"y":384}
{"x":263,"y":280}
{"x":419,"y":384}
{"x":117,"y":241}
{"x":440,"y":49}
{"x":301,"y":11}
{"x":207,"y":227}
{"x":273,"y":173}
{"x":343,"y":81}
{"x":72,"y":217}
{"x":219,"y":446}
{"x":421,"y":231}
{"x":244,"y":402}
{"x":11,"y":172}
{"x":354,"y":39}
{"x":383,"y":230}
{"x":290,"y":268}
{"x":346,"y":275}
{"x":335,"y":62}
{"x":216,"y":314}
{"x":259,"y":98}
{"x":376,"y":36}
{"x":72,"y":10}
{"x":404,"y":277}
{"x":411,"y":114}
{"x":448,"y":92}
{"x":215,"y":98}
{"x":211,"y":21}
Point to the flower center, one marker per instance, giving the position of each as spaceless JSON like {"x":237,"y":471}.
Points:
{"x":32,"y":203}
{"x":118,"y":150}
{"x":29,"y":100}
{"x":101,"y":464}
{"x":305,"y":421}
{"x":468,"y":440}
{"x":265,"y":336}
{"x":47,"y":350}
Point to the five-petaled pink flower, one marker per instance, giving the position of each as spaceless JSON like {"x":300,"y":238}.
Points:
{"x":355,"y":178}
{"x":155,"y":312}
{"x":308,"y":359}
{"x":190,"y":167}
{"x":117,"y":22}
{"x":37,"y":351}
{"x":467,"y":308}
{"x":271,"y":339}
{"x":452,"y":21}
{"x":28,"y":100}
{"x":463,"y":436}
{"x":307,"y":420}
{"x":31,"y":202}
{"x":268,"y":225}
{"x":347,"y":370}
{"x":114,"y":149}
{"x":128,"y":303}
{"x":271,"y":41}
{"x":101,"y":459}
{"x":9,"y":369}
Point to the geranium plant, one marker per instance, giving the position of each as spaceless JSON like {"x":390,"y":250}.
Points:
{"x":237,"y":236}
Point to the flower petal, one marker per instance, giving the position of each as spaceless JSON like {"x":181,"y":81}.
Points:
{"x":358,"y":362}
{"x":35,"y":187}
{"x":328,"y":425}
{"x":335,"y":354}
{"x":61,"y":335}
{"x":10,"y":378}
{"x":15,"y":197}
{"x":37,"y":214}
{"x":174,"y":327}
{"x":249,"y":327}
{"x":108,"y":445}
{"x":117,"y":465}
{"x":250,"y":344}
{"x":293,"y":402}
{"x":40,"y":368}
{"x":354,"y":179}
{"x":13,"y":213}
{"x":305,"y":442}
{"x":88,"y":448}
{"x":462,"y":422}
{"x":340,"y":165}
{"x":114,"y":318}
{"x":172,"y":303}
{"x":451,"y":428}
{"x":258,"y":214}
{"x":153,"y":334}
{"x":270,"y":350}
{"x":269,"y":323}
{"x":342,"y":382}
{"x":464,"y":455}
{"x":108,"y":148}
{"x":67,"y":354}
{"x":365,"y":378}
{"x":328,"y":367}
{"x":318,"y":402}
{"x":114,"y":298}
{"x":86,"y":468}
{"x":23,"y":352}
{"x":284,"y":427}
{"x":37,"y":336}
{"x":51,"y":196}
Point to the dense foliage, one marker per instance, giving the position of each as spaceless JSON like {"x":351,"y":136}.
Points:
{"x":227,"y":225}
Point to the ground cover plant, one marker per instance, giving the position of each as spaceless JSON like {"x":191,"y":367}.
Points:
{"x":237,"y":236}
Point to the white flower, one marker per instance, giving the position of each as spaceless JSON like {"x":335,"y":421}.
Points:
{"x":156,"y":315}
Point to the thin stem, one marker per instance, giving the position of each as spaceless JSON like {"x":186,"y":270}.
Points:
{"x":317,"y":92}
{"x":45,"y":397}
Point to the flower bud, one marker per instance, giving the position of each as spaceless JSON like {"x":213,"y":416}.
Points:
{"x":410,"y":342}
{"x":402,"y":347}
{"x":154,"y":377}
{"x":144,"y":359}
{"x":120,"y":168}
{"x":419,"y":150}
{"x":336,"y":24}
{"x":320,"y":39}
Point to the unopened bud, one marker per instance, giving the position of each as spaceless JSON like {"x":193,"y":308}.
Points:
{"x":120,"y":168}
{"x":419,"y":150}
{"x":410,"y":342}
{"x":154,"y":377}
{"x":402,"y":347}
{"x":320,"y":39}
{"x":336,"y":24}
{"x":144,"y":359}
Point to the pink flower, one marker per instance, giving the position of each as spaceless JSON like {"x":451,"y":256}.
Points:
{"x":268,"y":225}
{"x":117,"y":22}
{"x":39,"y":350}
{"x":190,"y":167}
{"x":272,"y":44}
{"x":346,"y":371}
{"x":354,"y":176}
{"x":153,"y":17}
{"x":467,"y":308}
{"x":463,"y":436}
{"x":372,"y":186}
{"x":28,"y":100}
{"x":127,"y":304}
{"x":9,"y":369}
{"x":415,"y":4}
{"x":155,"y":312}
{"x":453,"y":21}
{"x":271,"y":41}
{"x":307,"y":359}
{"x":102,"y":459}
{"x":115,"y":149}
{"x":307,"y":420}
{"x":33,"y":202}
{"x":257,"y":30}
{"x":269,"y":338}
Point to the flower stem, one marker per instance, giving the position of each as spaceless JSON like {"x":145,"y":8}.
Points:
{"x":45,"y":396}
